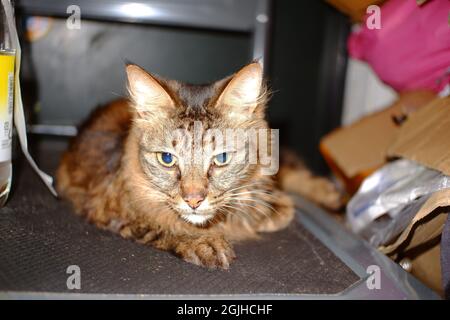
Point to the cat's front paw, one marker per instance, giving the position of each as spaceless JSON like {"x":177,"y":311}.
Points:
{"x":211,"y":252}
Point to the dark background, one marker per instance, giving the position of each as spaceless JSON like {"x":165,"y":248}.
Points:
{"x":307,"y":71}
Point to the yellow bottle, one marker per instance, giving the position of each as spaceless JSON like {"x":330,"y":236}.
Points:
{"x":7,"y":61}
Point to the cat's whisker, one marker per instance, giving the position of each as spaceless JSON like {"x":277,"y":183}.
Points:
{"x":256,"y":193}
{"x":265,"y":214}
{"x":249,"y":206}
{"x":238,"y":210}
{"x":257,"y":201}
{"x":228,"y":214}
{"x":263,"y":203}
{"x":231,"y":193}
{"x":245,"y":186}
{"x":224,"y":212}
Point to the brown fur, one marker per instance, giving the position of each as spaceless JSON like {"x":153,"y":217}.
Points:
{"x":105,"y":175}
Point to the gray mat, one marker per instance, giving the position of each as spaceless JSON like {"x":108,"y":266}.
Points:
{"x":41,"y":236}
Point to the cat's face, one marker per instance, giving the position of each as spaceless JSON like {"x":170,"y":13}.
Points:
{"x":191,"y":147}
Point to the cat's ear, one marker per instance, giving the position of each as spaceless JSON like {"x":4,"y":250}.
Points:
{"x":147,"y":94}
{"x":244,"y":92}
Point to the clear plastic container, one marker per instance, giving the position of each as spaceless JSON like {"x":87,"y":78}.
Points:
{"x":7,"y":69}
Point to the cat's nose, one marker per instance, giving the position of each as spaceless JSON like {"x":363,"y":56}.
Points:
{"x":194,"y":199}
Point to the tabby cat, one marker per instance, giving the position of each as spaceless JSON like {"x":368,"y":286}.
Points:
{"x":126,"y":172}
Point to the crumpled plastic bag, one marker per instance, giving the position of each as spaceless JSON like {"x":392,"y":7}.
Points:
{"x":412,"y":48}
{"x":389,"y":198}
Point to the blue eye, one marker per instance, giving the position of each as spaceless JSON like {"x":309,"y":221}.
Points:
{"x":166,"y":159}
{"x":222,"y":159}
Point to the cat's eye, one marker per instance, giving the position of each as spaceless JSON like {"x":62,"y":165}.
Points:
{"x":222,"y":159}
{"x":166,"y":159}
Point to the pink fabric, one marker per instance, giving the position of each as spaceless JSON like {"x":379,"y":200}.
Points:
{"x":412,"y":48}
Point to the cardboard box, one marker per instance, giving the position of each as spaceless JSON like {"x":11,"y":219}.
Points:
{"x":425,"y":138}
{"x":355,"y":151}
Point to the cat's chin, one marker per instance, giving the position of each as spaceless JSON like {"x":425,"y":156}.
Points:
{"x":197,"y":219}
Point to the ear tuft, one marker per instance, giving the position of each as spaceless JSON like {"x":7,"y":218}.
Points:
{"x":244,"y":91}
{"x":146,"y":92}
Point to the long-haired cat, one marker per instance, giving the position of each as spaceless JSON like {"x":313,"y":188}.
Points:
{"x":125,"y":171}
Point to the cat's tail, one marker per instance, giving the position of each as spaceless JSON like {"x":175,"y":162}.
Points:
{"x":295,"y":177}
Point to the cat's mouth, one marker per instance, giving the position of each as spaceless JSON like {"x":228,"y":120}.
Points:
{"x":198,"y":216}
{"x":197,"y":219}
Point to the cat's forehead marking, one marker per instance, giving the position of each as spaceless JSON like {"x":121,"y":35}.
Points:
{"x":195,"y":99}
{"x":190,"y":126}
